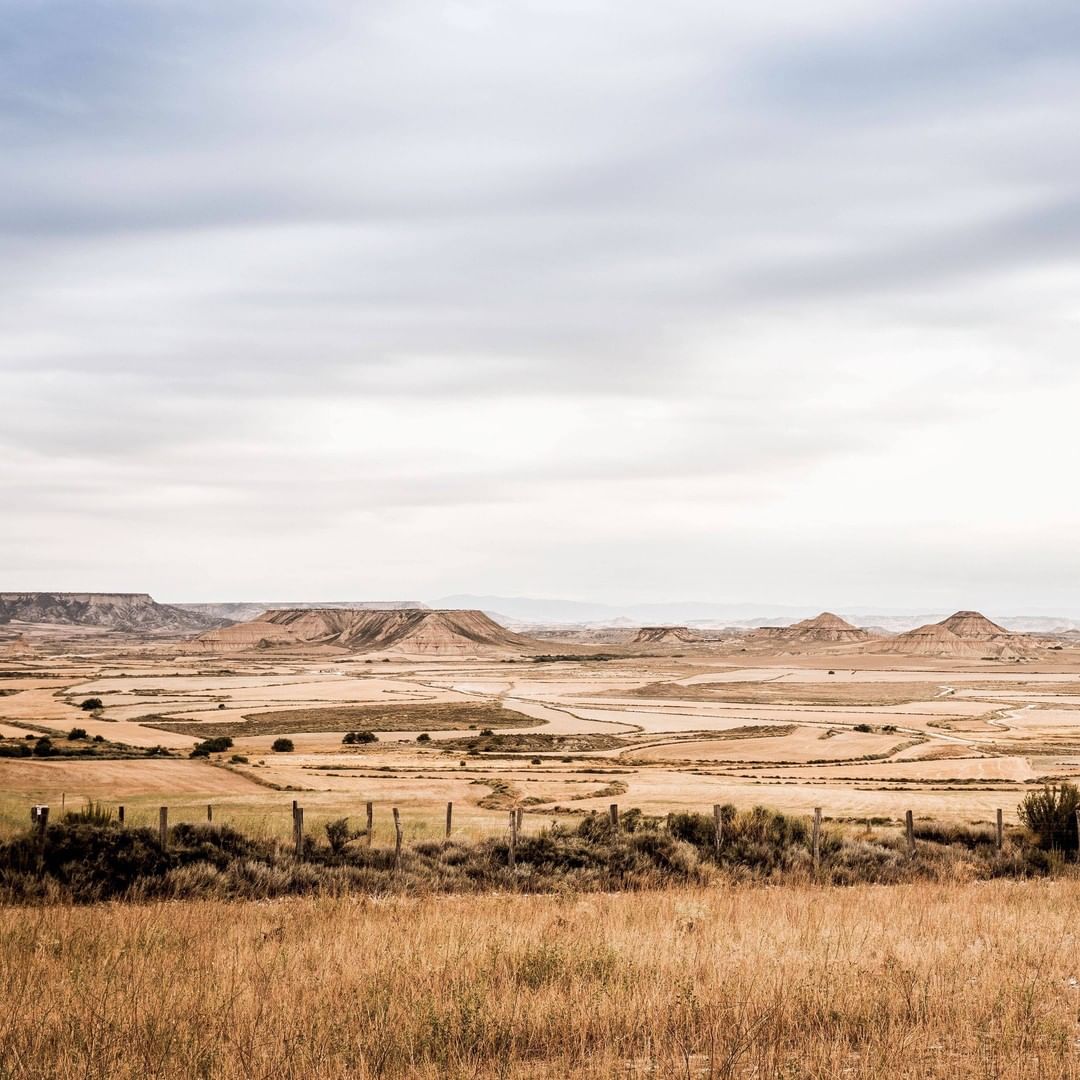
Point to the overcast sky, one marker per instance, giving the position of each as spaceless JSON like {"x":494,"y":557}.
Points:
{"x":610,"y":301}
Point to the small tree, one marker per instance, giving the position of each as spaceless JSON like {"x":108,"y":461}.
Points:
{"x":282,"y":746}
{"x":77,"y":733}
{"x":1051,"y":815}
{"x":423,"y":737}
{"x":43,"y":747}
{"x":90,"y":704}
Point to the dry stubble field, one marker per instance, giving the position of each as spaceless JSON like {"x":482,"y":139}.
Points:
{"x":909,"y":981}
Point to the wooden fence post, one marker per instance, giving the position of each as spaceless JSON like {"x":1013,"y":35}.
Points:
{"x":817,"y":839}
{"x":718,"y":827}
{"x":209,"y":812}
{"x":910,"y":830}
{"x":299,"y":827}
{"x":613,"y":814}
{"x":519,"y":813}
{"x":397,"y":838}
{"x":163,"y":826}
{"x":370,"y":822}
{"x":39,"y":821}
{"x":449,"y":818}
{"x":120,"y":814}
{"x":1001,"y":830}
{"x":63,"y":802}
{"x":512,"y":854}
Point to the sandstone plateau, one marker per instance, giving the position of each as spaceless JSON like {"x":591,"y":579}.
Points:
{"x":664,"y":635}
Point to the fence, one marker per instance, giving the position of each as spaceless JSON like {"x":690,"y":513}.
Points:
{"x":39,"y":818}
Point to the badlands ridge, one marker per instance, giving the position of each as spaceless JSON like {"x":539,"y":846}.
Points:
{"x":410,"y":629}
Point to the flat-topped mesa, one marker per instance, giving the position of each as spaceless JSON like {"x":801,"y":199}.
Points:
{"x":132,"y":612}
{"x":409,"y":632}
{"x":966,"y":634}
{"x":664,"y":635}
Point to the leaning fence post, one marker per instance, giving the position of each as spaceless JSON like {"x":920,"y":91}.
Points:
{"x":718,"y":827}
{"x":163,"y":826}
{"x":299,"y":829}
{"x":449,"y":818}
{"x":1001,"y":828}
{"x":613,"y":814}
{"x":397,"y":838}
{"x":512,"y":854}
{"x":370,"y":821}
{"x":910,"y":830}
{"x":120,"y":814}
{"x":817,"y":839}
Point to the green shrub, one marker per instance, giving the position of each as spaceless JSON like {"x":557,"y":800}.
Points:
{"x":282,"y":746}
{"x":238,"y":759}
{"x":77,"y":733}
{"x":358,"y":738}
{"x":216,"y":745}
{"x":423,"y":737}
{"x":863,"y":727}
{"x":90,"y":704}
{"x":1051,"y":814}
{"x":43,"y":747}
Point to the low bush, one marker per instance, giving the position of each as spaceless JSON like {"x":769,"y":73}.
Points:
{"x":1050,"y":814}
{"x":359,"y":738}
{"x":91,"y":704}
{"x":282,"y":746}
{"x":77,"y":733}
{"x":216,"y":745}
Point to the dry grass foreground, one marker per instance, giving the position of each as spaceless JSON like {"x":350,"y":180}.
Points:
{"x":916,"y":981}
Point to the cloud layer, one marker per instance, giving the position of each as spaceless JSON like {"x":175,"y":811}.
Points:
{"x":605,"y":300}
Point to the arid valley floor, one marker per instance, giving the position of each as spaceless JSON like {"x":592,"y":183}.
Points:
{"x":861,"y":735}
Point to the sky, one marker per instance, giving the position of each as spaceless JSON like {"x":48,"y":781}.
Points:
{"x":602,"y":300}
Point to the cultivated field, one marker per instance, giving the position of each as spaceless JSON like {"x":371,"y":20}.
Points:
{"x":857,"y":734}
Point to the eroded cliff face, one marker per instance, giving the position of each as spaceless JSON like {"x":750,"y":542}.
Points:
{"x":406,"y":631}
{"x":965,"y":634}
{"x":133,"y":612}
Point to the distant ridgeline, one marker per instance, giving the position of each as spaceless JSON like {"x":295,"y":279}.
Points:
{"x":110,"y":611}
{"x":242,"y":611}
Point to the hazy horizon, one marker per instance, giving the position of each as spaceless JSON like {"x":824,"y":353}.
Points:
{"x":586,"y":300}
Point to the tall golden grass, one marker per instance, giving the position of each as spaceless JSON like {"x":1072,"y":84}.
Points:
{"x":919,"y":981}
